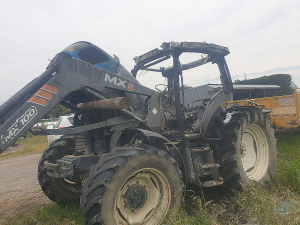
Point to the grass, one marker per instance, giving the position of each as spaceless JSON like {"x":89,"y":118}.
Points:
{"x":288,"y":160}
{"x":273,"y":204}
{"x":49,"y":215}
{"x":191,"y":213}
{"x":31,"y":144}
{"x":277,"y":203}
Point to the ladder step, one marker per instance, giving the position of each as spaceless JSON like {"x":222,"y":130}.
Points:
{"x":207,"y":166}
{"x":212,"y":183}
{"x":200,"y":149}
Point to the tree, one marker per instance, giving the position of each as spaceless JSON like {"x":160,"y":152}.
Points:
{"x":57,"y":111}
{"x":282,"y":80}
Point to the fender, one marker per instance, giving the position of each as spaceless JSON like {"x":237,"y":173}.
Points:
{"x":214,"y":103}
{"x":149,"y":134}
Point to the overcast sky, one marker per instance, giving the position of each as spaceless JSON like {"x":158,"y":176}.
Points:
{"x":262,"y":35}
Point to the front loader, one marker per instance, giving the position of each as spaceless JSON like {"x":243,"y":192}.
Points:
{"x":132,"y":150}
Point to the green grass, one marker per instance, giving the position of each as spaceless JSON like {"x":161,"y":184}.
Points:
{"x":31,"y":144}
{"x":50,"y":215}
{"x":273,"y":204}
{"x":191,"y":213}
{"x":288,"y":160}
{"x":277,"y":203}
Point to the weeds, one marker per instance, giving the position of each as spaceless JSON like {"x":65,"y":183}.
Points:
{"x":31,"y":144}
{"x":50,"y":215}
{"x":277,"y":203}
{"x":288,"y":160}
{"x":193,"y":212}
{"x":264,"y":205}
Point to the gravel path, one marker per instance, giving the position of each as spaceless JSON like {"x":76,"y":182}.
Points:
{"x":19,"y":187}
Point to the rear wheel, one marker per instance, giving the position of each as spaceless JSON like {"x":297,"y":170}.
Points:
{"x":132,"y":185}
{"x":56,"y":189}
{"x":247,"y":149}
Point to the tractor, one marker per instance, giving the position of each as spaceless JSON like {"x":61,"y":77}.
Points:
{"x":132,"y":151}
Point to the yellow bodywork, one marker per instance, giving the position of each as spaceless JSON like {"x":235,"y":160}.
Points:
{"x":284,"y":109}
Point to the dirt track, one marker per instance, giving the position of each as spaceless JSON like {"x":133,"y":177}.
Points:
{"x":19,"y":187}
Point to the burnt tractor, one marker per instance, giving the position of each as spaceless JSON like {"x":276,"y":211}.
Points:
{"x":132,"y":151}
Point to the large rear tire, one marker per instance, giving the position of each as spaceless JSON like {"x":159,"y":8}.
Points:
{"x":133,"y":185}
{"x":247,"y":149}
{"x":58,"y":190}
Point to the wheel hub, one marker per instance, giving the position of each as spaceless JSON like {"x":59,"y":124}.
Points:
{"x":143,"y":199}
{"x":136,"y":197}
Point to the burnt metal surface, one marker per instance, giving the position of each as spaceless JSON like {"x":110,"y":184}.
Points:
{"x":176,"y":121}
{"x":205,"y":167}
{"x":215,"y":54}
{"x":98,"y":83}
{"x":30,"y":88}
{"x":114,"y":139}
{"x":82,"y":74}
{"x":177,"y":72}
{"x":169,"y":48}
{"x":213,"y":105}
{"x":154,"y":114}
{"x":212,"y":183}
{"x":68,"y":72}
{"x":64,"y":131}
{"x":154,"y":135}
{"x":201,"y":47}
{"x":68,"y":165}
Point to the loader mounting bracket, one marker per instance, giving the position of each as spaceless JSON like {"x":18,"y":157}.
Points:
{"x":66,"y":166}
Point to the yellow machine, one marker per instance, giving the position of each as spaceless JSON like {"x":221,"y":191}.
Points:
{"x":284,"y":109}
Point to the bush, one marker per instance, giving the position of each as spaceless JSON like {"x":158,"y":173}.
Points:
{"x":282,"y":80}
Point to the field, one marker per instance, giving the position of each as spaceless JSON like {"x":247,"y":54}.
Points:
{"x":31,"y":144}
{"x":278,"y":203}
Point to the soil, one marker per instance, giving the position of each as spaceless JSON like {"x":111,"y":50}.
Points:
{"x":20,"y":191}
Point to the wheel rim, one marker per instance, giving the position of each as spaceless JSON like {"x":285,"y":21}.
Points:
{"x":143,"y":199}
{"x":254,"y":152}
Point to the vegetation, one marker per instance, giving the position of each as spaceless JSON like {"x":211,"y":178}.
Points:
{"x":288,"y":162}
{"x":278,"y":203}
{"x":31,"y":144}
{"x":283,"y":80}
{"x":57,"y":111}
{"x":49,"y":215}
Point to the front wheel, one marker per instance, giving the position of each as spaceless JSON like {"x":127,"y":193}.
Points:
{"x":247,"y":149}
{"x":59,"y":190}
{"x":133,"y":185}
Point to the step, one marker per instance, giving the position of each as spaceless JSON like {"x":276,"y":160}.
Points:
{"x":200,"y":149}
{"x":207,"y":166}
{"x":212,"y":183}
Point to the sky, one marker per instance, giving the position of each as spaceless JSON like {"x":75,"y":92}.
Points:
{"x":262,"y":35}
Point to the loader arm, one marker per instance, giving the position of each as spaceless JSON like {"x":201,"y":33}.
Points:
{"x":65,"y":74}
